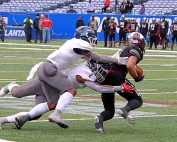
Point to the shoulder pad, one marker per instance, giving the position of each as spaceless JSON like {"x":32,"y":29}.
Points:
{"x":136,"y":53}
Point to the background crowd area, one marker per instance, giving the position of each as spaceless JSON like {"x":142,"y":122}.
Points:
{"x":120,"y":6}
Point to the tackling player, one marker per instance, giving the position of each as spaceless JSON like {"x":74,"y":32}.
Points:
{"x":54,"y":81}
{"x":80,"y":75}
{"x":116,"y":76}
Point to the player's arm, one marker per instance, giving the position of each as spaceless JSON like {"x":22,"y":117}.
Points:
{"x":137,"y":26}
{"x":106,"y":59}
{"x":131,"y":67}
{"x":105,"y":88}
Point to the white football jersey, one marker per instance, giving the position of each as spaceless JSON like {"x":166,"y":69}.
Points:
{"x":84,"y":71}
{"x":65,"y":56}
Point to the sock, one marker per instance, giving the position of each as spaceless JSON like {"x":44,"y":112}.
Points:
{"x":10,"y":86}
{"x":11,"y":119}
{"x":39,"y":110}
{"x":64,"y":100}
{"x":134,"y":104}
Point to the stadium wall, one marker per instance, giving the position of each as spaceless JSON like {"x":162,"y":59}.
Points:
{"x":64,"y":25}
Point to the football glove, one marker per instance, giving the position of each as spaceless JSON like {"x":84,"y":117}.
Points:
{"x":127,"y":88}
{"x":138,"y":79}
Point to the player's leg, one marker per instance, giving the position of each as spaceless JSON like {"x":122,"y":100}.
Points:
{"x":49,"y":74}
{"x":173,"y":39}
{"x":32,"y":87}
{"x":120,"y":38}
{"x":114,"y":39}
{"x":110,"y":40}
{"x":124,"y":38}
{"x":40,"y":107}
{"x":108,"y":101}
{"x":155,"y":41}
{"x":9,"y":119}
{"x":134,"y":102}
{"x":151,"y":42}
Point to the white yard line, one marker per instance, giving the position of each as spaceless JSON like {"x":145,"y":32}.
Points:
{"x":101,"y":48}
{"x":2,"y":140}
{"x":82,"y":119}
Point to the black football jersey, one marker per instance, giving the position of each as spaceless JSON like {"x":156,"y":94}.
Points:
{"x":174,"y":27}
{"x":144,"y":28}
{"x":163,"y":26}
{"x":153,"y":28}
{"x":123,"y":24}
{"x":133,"y":25}
{"x":127,"y":52}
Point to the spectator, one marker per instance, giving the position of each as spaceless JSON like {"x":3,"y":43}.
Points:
{"x":36,"y":28}
{"x":40,"y":28}
{"x":106,"y":5}
{"x":123,"y":7}
{"x":112,"y":32}
{"x":93,"y":23}
{"x":46,"y":24}
{"x":129,"y":6}
{"x":71,"y":10}
{"x":79,"y":22}
{"x":105,"y":28}
{"x":142,"y":10}
{"x":116,"y":7}
{"x":2,"y":28}
{"x":28,"y":24}
{"x":90,"y":7}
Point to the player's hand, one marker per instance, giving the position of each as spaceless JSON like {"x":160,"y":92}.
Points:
{"x":138,"y":79}
{"x":127,"y":88}
{"x":122,"y":60}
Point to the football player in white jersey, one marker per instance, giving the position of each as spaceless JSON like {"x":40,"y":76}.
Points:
{"x":81,"y":76}
{"x":54,"y":81}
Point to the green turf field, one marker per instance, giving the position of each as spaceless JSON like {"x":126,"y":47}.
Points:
{"x":155,"y":121}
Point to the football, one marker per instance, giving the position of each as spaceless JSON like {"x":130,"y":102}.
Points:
{"x":139,"y":71}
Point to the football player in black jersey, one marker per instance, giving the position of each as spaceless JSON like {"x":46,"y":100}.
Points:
{"x":153,"y":33}
{"x":174,"y":32}
{"x":144,"y":27}
{"x":122,"y":30}
{"x":163,"y":30}
{"x":116,"y":76}
{"x":133,"y":25}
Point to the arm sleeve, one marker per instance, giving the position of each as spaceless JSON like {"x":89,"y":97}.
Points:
{"x":103,"y":58}
{"x":102,"y":89}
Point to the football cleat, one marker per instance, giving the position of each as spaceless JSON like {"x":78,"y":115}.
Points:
{"x":21,"y":120}
{"x":98,"y":124}
{"x":55,"y":118}
{"x":127,"y":116}
{"x":5,"y":89}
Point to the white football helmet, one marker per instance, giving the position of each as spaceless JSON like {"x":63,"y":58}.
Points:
{"x":137,"y":39}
